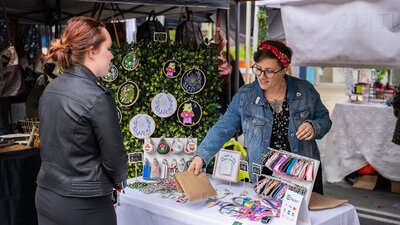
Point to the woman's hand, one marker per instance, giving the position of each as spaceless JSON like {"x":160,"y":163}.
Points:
{"x":305,"y":131}
{"x":196,"y":165}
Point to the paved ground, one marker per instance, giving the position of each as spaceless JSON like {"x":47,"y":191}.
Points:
{"x":379,"y":206}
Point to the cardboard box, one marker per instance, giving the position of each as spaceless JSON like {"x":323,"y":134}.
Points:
{"x":367,"y":182}
{"x":395,"y":186}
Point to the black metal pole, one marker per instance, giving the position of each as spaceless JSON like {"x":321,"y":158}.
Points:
{"x":57,"y":23}
{"x":237,"y":59}
{"x":228,"y":54}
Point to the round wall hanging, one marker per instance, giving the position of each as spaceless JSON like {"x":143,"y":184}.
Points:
{"x":130,"y":62}
{"x":172,"y":68}
{"x":164,"y":105}
{"x":119,"y":115}
{"x":189,"y":113}
{"x":142,"y":126}
{"x":128,"y":93}
{"x":193,"y":81}
{"x":112,"y":74}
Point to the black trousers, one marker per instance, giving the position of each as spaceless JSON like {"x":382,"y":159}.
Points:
{"x":54,"y":209}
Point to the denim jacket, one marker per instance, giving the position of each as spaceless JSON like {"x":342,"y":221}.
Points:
{"x":250,"y":111}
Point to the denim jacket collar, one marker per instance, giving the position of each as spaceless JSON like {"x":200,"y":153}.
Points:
{"x":293,"y":91}
{"x":82,"y":71}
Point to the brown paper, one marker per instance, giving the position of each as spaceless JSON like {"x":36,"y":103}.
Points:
{"x":319,"y":201}
{"x":366,"y":182}
{"x":195,"y":187}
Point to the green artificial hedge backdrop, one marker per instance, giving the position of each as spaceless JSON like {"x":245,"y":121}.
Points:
{"x":151,"y":80}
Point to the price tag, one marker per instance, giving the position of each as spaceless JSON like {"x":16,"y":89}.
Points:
{"x":135,"y":157}
{"x":256,"y":169}
{"x":244,"y":165}
{"x":160,"y":36}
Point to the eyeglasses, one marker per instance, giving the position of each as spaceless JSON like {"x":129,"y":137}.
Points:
{"x":268,"y":73}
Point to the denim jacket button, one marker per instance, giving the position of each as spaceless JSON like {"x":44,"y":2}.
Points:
{"x":254,"y":121}
{"x":295,"y":150}
{"x":292,"y":135}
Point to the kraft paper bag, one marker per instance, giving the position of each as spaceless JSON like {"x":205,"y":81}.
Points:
{"x":319,"y":202}
{"x":195,"y":187}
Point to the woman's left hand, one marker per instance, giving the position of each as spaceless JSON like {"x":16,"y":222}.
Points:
{"x":305,"y":131}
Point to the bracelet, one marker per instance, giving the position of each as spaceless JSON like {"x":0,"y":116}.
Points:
{"x":279,"y":163}
{"x":290,"y":167}
{"x":310,"y":171}
{"x":271,"y":159}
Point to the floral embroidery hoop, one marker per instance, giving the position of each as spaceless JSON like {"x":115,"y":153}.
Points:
{"x":142,"y":126}
{"x":128,"y":93}
{"x":189,"y":113}
{"x":164,"y":105}
{"x":193,"y":81}
{"x":130,"y":62}
{"x":172,"y":68}
{"x":112,"y":74}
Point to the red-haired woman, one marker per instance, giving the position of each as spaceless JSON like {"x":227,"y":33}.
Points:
{"x":82,"y":151}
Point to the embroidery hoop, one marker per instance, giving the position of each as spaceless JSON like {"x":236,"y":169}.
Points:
{"x":177,"y":65}
{"x":136,"y":92}
{"x":130,"y":62}
{"x":142,"y":126}
{"x":164,"y":105}
{"x":193,"y":82}
{"x":195,"y":105}
{"x":112,"y":74}
{"x":119,"y":114}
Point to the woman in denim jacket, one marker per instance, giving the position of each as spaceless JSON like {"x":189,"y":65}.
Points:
{"x":276,"y":110}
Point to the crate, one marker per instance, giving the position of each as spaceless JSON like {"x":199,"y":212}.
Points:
{"x":27,"y":126}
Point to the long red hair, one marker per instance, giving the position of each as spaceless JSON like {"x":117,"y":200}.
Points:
{"x":79,"y":35}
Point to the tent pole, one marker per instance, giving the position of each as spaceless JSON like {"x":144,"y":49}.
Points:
{"x":237,"y":59}
{"x":57,"y":24}
{"x":248,"y":36}
{"x":228,"y":54}
{"x":255,"y":33}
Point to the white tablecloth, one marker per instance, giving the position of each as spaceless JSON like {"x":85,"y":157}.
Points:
{"x":360,"y":135}
{"x":141,"y":209}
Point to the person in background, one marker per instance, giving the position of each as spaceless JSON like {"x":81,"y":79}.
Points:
{"x":276,"y":110}
{"x":396,"y":112}
{"x":82,"y":151}
{"x":227,"y":73}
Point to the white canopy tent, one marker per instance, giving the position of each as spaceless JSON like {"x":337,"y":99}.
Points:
{"x":342,"y":33}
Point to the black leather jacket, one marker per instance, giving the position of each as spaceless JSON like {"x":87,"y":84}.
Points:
{"x":81,"y":142}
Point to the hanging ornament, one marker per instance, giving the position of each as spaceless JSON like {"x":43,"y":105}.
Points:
{"x":164,"y":169}
{"x":193,"y":81}
{"x":189,"y":113}
{"x":163,"y":147}
{"x":181,"y":165}
{"x":142,"y":126}
{"x":119,"y":114}
{"x":172,"y":68}
{"x":155,"y":169}
{"x":146,"y":169}
{"x":112,"y":74}
{"x":173,"y":169}
{"x":164,"y":105}
{"x":148,"y":146}
{"x":191,"y":146}
{"x":177,"y":146}
{"x":130,"y":62}
{"x":128,"y":93}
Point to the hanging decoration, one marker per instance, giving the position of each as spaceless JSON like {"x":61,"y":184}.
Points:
{"x":112,"y":74}
{"x":193,"y":81}
{"x":172,"y":68}
{"x":128,"y":93}
{"x":142,"y":126}
{"x":130,"y":61}
{"x":164,"y":105}
{"x":163,"y":147}
{"x":177,"y":146}
{"x":189,"y":113}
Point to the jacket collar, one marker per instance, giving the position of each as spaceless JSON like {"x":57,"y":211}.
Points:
{"x":82,"y":71}
{"x":293,"y":91}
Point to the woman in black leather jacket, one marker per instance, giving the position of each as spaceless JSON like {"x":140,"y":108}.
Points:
{"x":82,"y":151}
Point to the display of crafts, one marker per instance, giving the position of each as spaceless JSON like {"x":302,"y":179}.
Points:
{"x":288,"y":164}
{"x":112,"y":74}
{"x":165,"y":189}
{"x":244,"y":207}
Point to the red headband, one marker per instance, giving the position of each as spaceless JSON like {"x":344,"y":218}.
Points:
{"x":280,"y":55}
